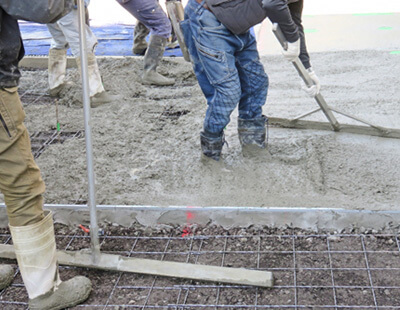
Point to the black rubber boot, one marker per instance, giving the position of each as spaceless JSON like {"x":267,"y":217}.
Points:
{"x":252,"y":131}
{"x":139,"y":39}
{"x":211,"y":146}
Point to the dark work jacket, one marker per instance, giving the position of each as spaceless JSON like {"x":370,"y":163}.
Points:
{"x":240,"y":15}
{"x":296,"y":11}
{"x":11,"y":50}
{"x":278,"y":12}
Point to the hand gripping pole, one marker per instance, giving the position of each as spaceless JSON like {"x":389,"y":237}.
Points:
{"x":307,"y":79}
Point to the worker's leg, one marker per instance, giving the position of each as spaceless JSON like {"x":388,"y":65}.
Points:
{"x":32,"y":232}
{"x":254,"y":83}
{"x":139,"y":39}
{"x":212,"y":48}
{"x":20,"y":180}
{"x":69,"y":26}
{"x":151,"y":15}
{"x":57,"y":66}
{"x":35,"y":249}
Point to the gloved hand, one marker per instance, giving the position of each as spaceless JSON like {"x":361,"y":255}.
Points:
{"x":313,"y":90}
{"x":292,"y":51}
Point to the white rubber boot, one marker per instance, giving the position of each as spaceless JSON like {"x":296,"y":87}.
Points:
{"x":57,"y":67}
{"x":35,"y":249}
{"x":98,"y":95}
{"x":6,"y":276}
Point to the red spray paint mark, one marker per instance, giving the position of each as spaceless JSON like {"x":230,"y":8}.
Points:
{"x":187,"y":231}
{"x":86,"y":230}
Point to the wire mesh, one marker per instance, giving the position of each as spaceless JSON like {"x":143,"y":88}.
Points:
{"x":312,"y":271}
{"x":43,"y":139}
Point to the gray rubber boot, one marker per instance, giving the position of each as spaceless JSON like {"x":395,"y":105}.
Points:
{"x":6,"y":276}
{"x":68,"y":294}
{"x":139,"y":39}
{"x":252,"y":131}
{"x":211,"y":146}
{"x":252,"y":137}
{"x":151,"y":60}
{"x":57,"y":66}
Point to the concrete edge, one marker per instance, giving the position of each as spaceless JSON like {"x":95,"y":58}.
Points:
{"x":228,"y":217}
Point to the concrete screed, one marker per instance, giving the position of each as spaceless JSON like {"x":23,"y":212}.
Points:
{"x":146,"y":146}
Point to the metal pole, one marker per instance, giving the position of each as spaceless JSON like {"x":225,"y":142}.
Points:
{"x":94,"y":229}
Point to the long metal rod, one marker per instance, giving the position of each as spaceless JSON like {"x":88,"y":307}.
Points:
{"x":356,"y":129}
{"x":306,"y":114}
{"x":307,"y":80}
{"x":94,"y":228}
{"x":358,"y":119}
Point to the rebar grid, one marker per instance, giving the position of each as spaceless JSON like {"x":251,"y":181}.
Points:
{"x":342,"y":271}
{"x":43,"y":139}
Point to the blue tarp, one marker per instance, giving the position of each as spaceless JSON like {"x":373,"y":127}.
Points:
{"x":114,"y":40}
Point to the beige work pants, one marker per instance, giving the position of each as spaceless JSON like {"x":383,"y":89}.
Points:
{"x":20,"y":179}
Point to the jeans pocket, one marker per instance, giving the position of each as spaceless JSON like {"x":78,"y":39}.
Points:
{"x":214,"y":62}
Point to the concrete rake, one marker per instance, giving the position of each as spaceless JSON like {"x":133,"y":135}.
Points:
{"x":333,"y":123}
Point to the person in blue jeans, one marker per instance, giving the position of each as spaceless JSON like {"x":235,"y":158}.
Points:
{"x":230,"y":74}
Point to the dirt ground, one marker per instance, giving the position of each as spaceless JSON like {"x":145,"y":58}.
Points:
{"x":147,"y":148}
{"x":312,"y":270}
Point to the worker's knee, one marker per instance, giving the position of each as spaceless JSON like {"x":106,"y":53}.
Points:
{"x":157,"y":21}
{"x":30,"y":213}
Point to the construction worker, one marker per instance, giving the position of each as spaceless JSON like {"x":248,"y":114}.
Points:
{"x":227,"y":65}
{"x":65,"y":34}
{"x":31,"y":228}
{"x":151,"y":17}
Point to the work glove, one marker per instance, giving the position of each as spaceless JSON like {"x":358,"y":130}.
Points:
{"x":313,"y":90}
{"x":292,"y":51}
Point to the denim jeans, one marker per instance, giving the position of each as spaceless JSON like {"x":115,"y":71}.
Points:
{"x":227,"y":67}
